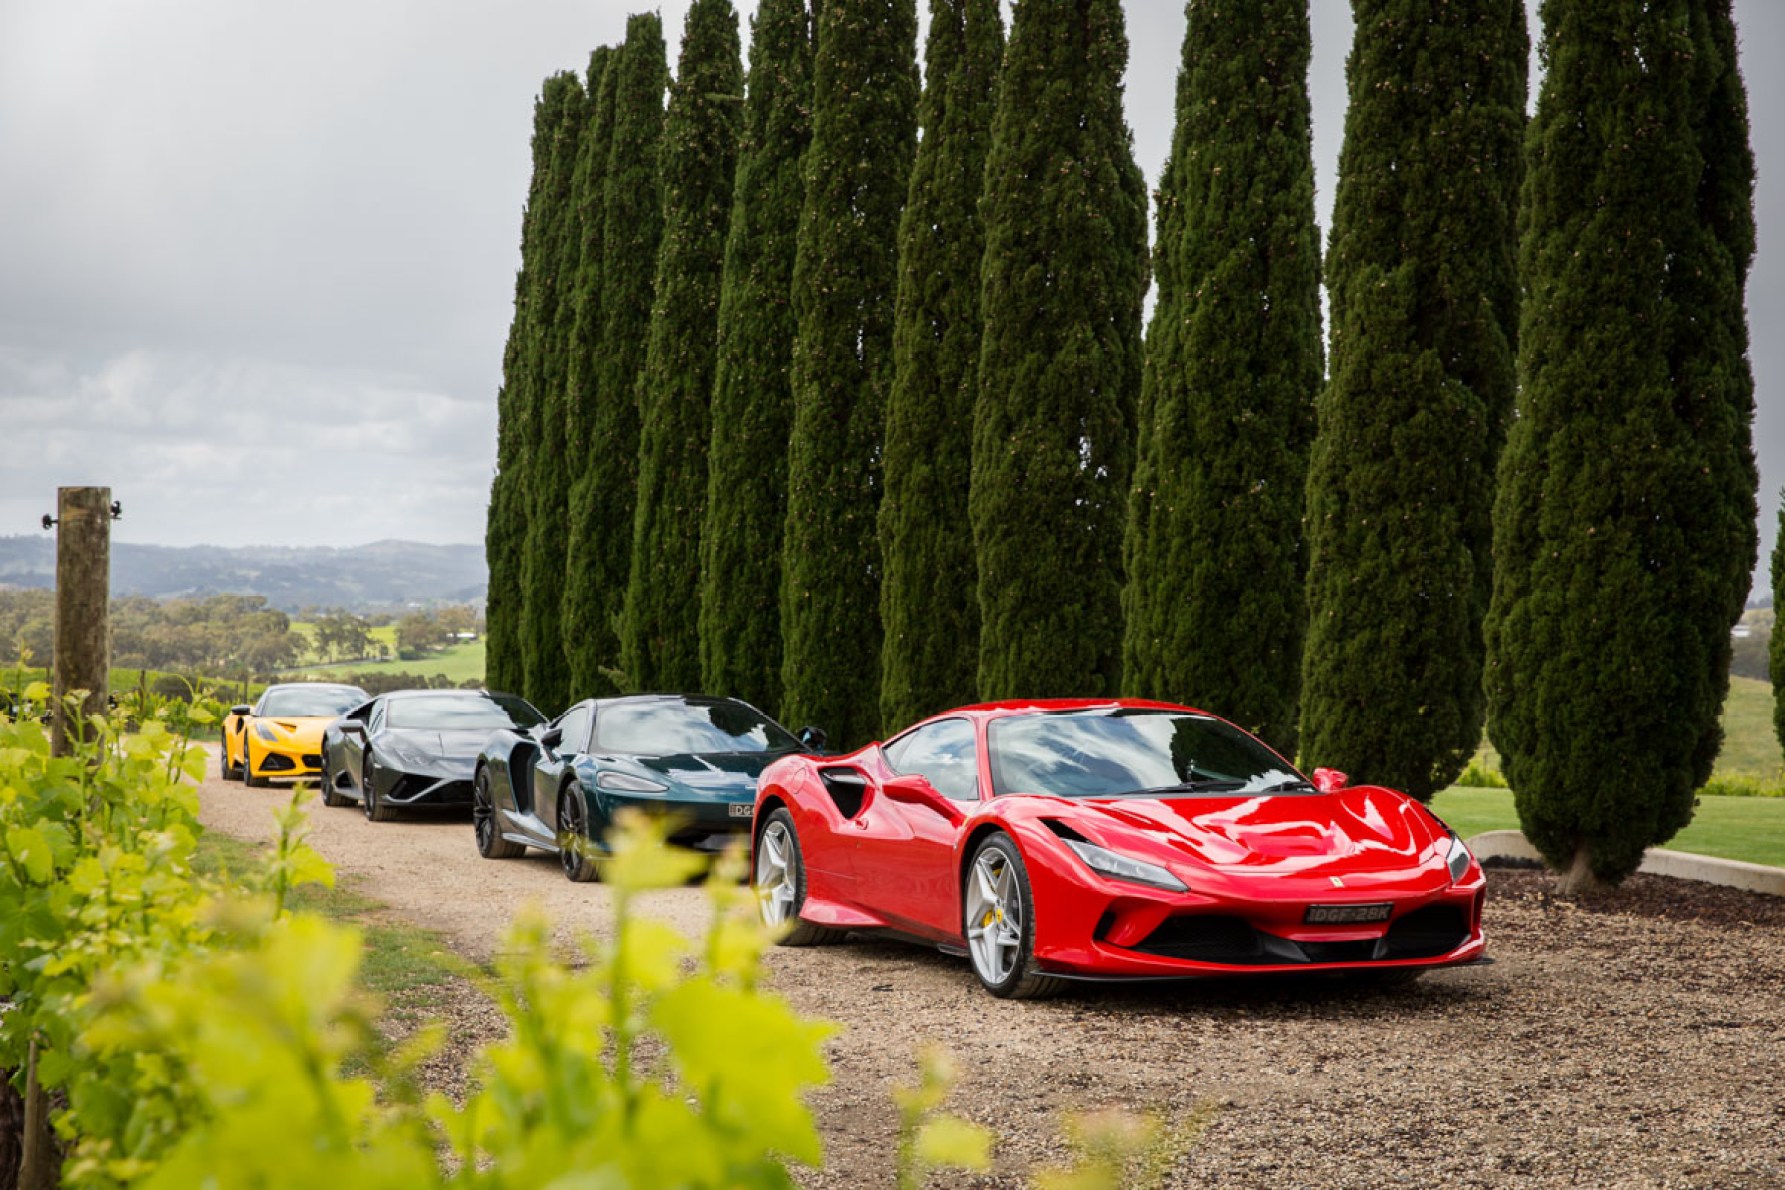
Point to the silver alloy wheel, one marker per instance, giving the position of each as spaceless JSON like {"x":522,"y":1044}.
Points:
{"x":777,"y":874}
{"x":994,"y":916}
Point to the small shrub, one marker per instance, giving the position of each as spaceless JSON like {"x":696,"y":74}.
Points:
{"x":1479,"y":776}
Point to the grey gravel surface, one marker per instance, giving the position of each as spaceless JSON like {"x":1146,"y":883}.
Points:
{"x":1635,"y":1041}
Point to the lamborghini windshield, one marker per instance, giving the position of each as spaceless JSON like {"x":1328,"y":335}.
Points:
{"x":677,"y":726}
{"x":1112,"y":752}
{"x":470,"y":711}
{"x":303,"y":702}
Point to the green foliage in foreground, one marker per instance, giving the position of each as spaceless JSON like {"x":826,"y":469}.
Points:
{"x":1751,"y":829}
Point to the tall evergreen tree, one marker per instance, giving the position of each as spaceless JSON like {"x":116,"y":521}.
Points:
{"x":1053,"y":436}
{"x":590,"y":196}
{"x":740,"y":544}
{"x":660,"y":634}
{"x":601,"y":506}
{"x":864,"y":106}
{"x":1623,"y":530}
{"x":547,"y":671}
{"x":1423,"y":269}
{"x":511,"y":502}
{"x":929,"y":604}
{"x":1216,"y":556}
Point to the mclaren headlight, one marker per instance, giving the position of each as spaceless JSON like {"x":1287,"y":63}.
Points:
{"x":627,"y":783}
{"x":1105,"y":862}
{"x":1458,"y":861}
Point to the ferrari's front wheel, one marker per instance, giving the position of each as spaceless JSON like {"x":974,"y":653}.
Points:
{"x":230,"y":771}
{"x":1000,"y":923}
{"x":573,"y":839}
{"x":376,"y":808}
{"x":780,"y":883}
{"x":490,"y":843}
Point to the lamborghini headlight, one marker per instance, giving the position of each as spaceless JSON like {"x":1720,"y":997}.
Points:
{"x":265,"y":732}
{"x":1121,"y":867}
{"x":627,"y":783}
{"x":1458,"y":861}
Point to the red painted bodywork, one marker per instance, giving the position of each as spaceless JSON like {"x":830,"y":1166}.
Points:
{"x":899,"y":862}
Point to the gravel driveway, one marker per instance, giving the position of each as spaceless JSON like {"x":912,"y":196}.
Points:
{"x":1636,"y":1042}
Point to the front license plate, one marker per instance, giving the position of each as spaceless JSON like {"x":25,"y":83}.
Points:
{"x":1330,"y":915}
{"x":742,"y":809}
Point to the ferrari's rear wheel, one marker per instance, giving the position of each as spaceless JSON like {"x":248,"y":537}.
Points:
{"x":490,"y":843}
{"x":230,"y":772}
{"x":573,"y":839}
{"x":1000,"y":923}
{"x":330,"y":795}
{"x":376,"y":808}
{"x":780,"y":882}
{"x":248,"y":777}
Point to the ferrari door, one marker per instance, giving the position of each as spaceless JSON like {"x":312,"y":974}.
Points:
{"x":905,"y":857}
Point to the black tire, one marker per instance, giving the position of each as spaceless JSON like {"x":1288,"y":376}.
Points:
{"x":376,"y":808}
{"x":578,"y":865}
{"x":330,"y":795}
{"x":778,"y":831}
{"x":248,"y":777}
{"x":490,"y":843}
{"x":231,"y":772}
{"x":1023,"y":981}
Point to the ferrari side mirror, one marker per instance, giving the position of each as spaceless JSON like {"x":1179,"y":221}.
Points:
{"x":1330,"y":780}
{"x":813,"y":738}
{"x":914,"y":790}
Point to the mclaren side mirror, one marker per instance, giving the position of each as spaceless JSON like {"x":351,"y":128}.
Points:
{"x":241,"y":709}
{"x":813,"y":739}
{"x":1330,"y":780}
{"x":551,"y":739}
{"x":913,"y":790}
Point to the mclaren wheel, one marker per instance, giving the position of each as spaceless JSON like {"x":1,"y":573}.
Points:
{"x":780,"y":883}
{"x":1000,"y":923}
{"x":490,"y":843}
{"x":574,"y":844}
{"x":248,"y":777}
{"x":231,"y":772}
{"x":376,"y":808}
{"x":330,"y":795}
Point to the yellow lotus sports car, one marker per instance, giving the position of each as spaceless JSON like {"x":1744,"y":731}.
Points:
{"x":281,"y":735}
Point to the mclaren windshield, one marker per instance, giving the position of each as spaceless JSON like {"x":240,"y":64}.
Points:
{"x":682,"y":726}
{"x":1128,"y":751}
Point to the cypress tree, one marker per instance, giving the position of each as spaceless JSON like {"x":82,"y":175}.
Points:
{"x":1216,"y":558}
{"x":1053,"y":437}
{"x":857,"y":168}
{"x":660,"y":637}
{"x":590,"y":190}
{"x":1623,"y":530}
{"x":1423,"y":270}
{"x":740,"y":544}
{"x":505,"y":536}
{"x":929,"y":604}
{"x":546,"y":670}
{"x":601,"y":506}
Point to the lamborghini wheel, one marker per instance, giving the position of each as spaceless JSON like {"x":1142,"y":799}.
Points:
{"x":248,"y":777}
{"x":1000,"y":923}
{"x":490,"y":843}
{"x":330,"y":795}
{"x":780,"y":883}
{"x":376,"y":808}
{"x":573,"y":839}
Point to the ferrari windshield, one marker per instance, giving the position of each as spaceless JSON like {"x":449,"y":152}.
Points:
{"x":675,"y":727}
{"x":1127,"y":750}
{"x":470,"y":711}
{"x":308,"y":702}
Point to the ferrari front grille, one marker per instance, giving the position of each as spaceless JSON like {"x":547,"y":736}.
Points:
{"x":1425,"y":933}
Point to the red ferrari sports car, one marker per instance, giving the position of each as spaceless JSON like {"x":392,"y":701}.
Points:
{"x":1110,"y":839}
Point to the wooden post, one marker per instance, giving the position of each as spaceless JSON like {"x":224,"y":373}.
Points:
{"x":83,"y":592}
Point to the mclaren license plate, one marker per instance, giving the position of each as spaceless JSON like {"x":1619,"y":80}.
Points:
{"x":742,"y":809}
{"x":1334,"y":915}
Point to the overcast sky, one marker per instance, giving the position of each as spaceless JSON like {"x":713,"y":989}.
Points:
{"x":257,"y":261}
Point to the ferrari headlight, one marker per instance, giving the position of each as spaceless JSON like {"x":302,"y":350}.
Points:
{"x":1120,"y":867}
{"x":1459,"y":859}
{"x":627,"y":783}
{"x":266,"y":733}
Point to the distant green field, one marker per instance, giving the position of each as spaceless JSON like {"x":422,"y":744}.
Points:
{"x":461,"y":663}
{"x":1744,"y":828}
{"x":1749,"y":745}
{"x":385,"y":636}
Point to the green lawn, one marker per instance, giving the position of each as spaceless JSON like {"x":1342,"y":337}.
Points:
{"x":461,"y":663}
{"x":1744,"y":828}
{"x":1749,"y":745}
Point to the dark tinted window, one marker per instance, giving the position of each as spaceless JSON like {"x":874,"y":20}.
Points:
{"x":463,"y":712}
{"x":670,"y":727}
{"x":303,"y":702}
{"x":944,"y":753}
{"x":574,"y":727}
{"x":1107,"y":752}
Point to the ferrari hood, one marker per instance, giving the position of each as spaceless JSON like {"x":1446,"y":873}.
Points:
{"x":1358,"y":830}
